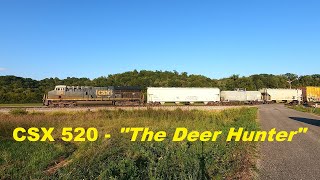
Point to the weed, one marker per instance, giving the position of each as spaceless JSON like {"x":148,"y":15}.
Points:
{"x":18,"y":111}
{"x":118,"y":157}
{"x":306,"y":109}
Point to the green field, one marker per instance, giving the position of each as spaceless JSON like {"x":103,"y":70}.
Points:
{"x":306,"y":109}
{"x":118,"y":157}
{"x":21,"y":105}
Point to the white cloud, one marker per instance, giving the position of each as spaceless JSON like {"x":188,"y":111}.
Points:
{"x":2,"y":69}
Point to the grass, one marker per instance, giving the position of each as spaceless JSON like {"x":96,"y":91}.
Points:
{"x":118,"y":157}
{"x":18,"y":111}
{"x":306,"y":109}
{"x":21,"y":105}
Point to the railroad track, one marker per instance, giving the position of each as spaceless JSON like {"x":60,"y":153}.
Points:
{"x":97,"y":108}
{"x":114,"y":106}
{"x":21,"y":107}
{"x":123,"y":106}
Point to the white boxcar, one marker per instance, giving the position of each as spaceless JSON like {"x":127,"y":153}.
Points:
{"x":240,"y":95}
{"x":278,"y":95}
{"x":177,"y":95}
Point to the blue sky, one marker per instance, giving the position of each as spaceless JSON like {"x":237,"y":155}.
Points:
{"x":61,"y":38}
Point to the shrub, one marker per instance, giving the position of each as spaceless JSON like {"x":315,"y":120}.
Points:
{"x":18,"y":111}
{"x":306,"y":109}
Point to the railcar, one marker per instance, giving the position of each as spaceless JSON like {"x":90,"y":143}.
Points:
{"x":63,"y":95}
{"x":311,"y":94}
{"x":241,"y":95}
{"x":281,"y":95}
{"x":190,"y":95}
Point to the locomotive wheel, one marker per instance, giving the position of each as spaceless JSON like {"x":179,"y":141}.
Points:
{"x":61,"y":105}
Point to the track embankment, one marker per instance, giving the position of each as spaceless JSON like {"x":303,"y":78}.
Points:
{"x":48,"y":109}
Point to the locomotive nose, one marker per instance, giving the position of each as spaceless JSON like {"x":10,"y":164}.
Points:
{"x":44,"y":100}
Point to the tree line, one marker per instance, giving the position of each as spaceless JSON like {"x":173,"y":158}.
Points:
{"x":26,"y":90}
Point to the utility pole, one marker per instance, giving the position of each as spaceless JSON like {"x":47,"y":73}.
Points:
{"x":290,"y":81}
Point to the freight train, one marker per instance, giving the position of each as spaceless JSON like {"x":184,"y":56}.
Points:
{"x":65,"y":96}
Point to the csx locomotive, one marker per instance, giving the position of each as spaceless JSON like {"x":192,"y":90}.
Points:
{"x":64,"y":96}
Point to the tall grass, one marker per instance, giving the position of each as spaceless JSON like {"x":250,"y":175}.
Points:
{"x":306,"y":109}
{"x":18,"y":111}
{"x":22,"y":105}
{"x":118,"y":157}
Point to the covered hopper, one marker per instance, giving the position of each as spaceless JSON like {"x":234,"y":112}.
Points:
{"x":177,"y":95}
{"x":241,"y":95}
{"x":281,"y":95}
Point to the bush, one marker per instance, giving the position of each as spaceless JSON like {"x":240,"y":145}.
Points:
{"x":306,"y":109}
{"x":18,"y":111}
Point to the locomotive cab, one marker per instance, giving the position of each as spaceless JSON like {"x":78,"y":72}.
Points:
{"x":60,"y":90}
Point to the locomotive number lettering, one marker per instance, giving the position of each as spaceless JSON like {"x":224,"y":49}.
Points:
{"x":103,"y":92}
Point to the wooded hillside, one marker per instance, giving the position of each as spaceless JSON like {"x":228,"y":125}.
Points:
{"x":25,"y":90}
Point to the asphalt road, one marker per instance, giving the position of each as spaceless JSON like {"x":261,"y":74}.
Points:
{"x":299,"y":159}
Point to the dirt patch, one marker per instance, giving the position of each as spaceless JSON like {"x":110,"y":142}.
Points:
{"x":59,"y":163}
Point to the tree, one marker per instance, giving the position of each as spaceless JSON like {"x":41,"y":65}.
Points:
{"x":25,"y":90}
